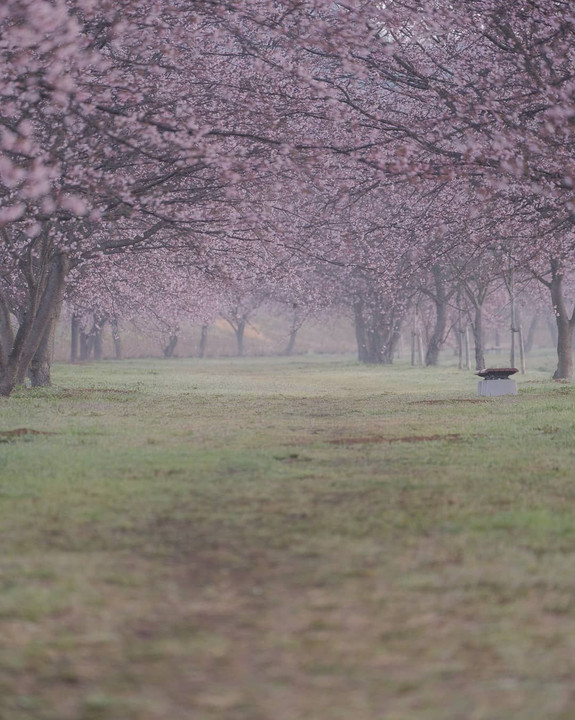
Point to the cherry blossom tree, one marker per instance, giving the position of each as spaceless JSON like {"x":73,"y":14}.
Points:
{"x":112,"y":136}
{"x":431,"y":90}
{"x":198,"y":128}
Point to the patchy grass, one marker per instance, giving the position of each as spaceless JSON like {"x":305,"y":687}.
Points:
{"x":304,"y":539}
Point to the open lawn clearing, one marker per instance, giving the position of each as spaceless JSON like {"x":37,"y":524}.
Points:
{"x":304,"y":539}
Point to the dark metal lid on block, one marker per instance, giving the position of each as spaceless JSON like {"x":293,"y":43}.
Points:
{"x":497,"y":373}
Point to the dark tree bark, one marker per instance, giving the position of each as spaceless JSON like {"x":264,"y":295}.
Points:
{"x":91,"y":343}
{"x":86,"y":345}
{"x":203,"y":341}
{"x":171,"y":346}
{"x":437,"y":337}
{"x":477,"y":290}
{"x":237,"y":319}
{"x":441,"y":299}
{"x":565,"y":326}
{"x":375,"y":346}
{"x":392,"y":333}
{"x":291,"y":342}
{"x":296,"y":323}
{"x":97,"y":335}
{"x":42,"y":311}
{"x":116,"y":338}
{"x":74,"y":338}
{"x":478,"y":338}
{"x":6,"y":332}
{"x":552,"y":327}
{"x":288,"y":350}
{"x":39,"y":370}
{"x":377,"y":334}
{"x":240,"y":330}
{"x":360,"y":332}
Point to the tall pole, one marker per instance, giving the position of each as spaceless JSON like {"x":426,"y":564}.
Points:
{"x":467,"y":353}
{"x":513,"y":328}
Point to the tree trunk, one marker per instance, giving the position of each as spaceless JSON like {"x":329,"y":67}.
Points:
{"x":39,"y":370}
{"x":86,"y":343}
{"x":391,"y":338}
{"x":522,"y":365}
{"x":6,"y":332}
{"x":565,"y":326}
{"x":74,"y":338}
{"x":438,"y":335}
{"x":377,"y":336}
{"x":462,"y":335}
{"x":8,"y":379}
{"x":374,"y":346}
{"x":203,"y":341}
{"x":564,"y":369}
{"x":513,"y":328}
{"x":171,"y":346}
{"x":296,"y":323}
{"x":97,"y":334}
{"x":415,"y":340}
{"x":478,"y":337}
{"x":529,"y":340}
{"x":552,"y":327}
{"x":360,"y":331}
{"x":36,"y":323}
{"x":116,"y":339}
{"x":420,"y":349}
{"x":291,"y":342}
{"x":240,"y":331}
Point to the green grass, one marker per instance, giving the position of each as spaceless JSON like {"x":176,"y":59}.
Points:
{"x":273,"y":539}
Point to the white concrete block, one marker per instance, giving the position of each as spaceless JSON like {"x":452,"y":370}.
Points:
{"x":492,"y":388}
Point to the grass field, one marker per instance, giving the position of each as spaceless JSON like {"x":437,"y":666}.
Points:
{"x":305,"y":539}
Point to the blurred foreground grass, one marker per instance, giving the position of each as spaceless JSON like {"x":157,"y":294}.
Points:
{"x":305,"y":539}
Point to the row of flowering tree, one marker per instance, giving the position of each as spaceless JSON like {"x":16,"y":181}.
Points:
{"x":359,"y":143}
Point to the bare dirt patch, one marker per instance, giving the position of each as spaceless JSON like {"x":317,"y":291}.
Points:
{"x":79,"y":392}
{"x":448,"y":401}
{"x":451,"y":437}
{"x":291,"y":458}
{"x":11,"y":435}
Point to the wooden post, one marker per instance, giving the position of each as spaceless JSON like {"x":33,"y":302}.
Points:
{"x":513,"y":328}
{"x":413,"y":338}
{"x":467,"y":354}
{"x":521,"y":349}
{"x":462,"y":337}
